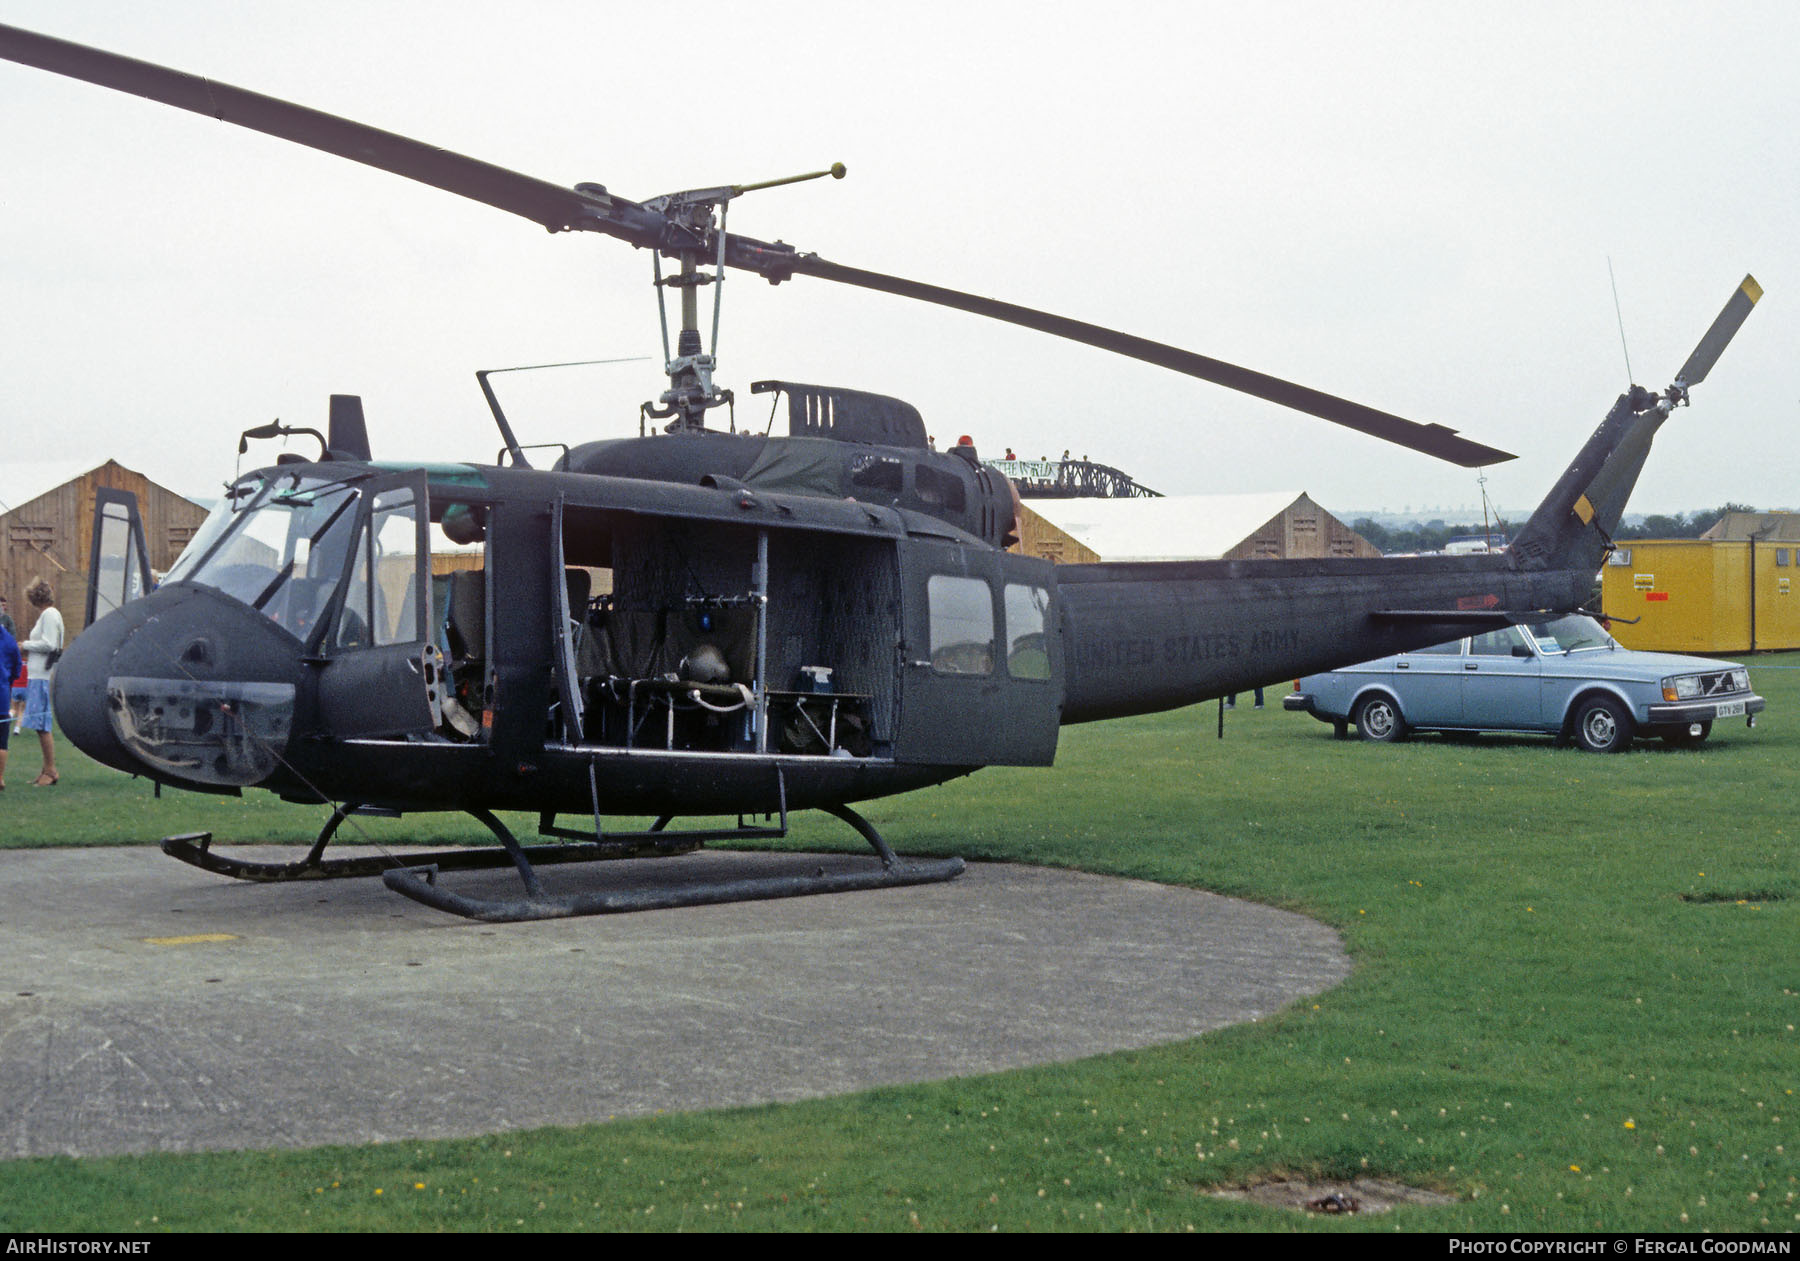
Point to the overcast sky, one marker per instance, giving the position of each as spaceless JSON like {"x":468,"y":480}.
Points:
{"x":1409,"y":205}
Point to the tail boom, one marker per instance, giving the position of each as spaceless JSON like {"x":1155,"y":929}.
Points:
{"x":1150,"y":636}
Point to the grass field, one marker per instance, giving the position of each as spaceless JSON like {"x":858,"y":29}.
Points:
{"x":1574,"y":1005}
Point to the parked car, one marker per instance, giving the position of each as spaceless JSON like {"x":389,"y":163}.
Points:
{"x":1566,"y":677}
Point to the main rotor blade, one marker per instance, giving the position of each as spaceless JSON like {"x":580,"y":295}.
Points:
{"x":552,"y":205}
{"x":1706,"y":354}
{"x":1436,"y":440}
{"x":590,"y":208}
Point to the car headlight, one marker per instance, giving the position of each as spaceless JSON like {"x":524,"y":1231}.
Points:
{"x":1740,"y":680}
{"x":1685,"y":687}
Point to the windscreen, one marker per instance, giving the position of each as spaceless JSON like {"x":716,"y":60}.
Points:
{"x":280,"y":548}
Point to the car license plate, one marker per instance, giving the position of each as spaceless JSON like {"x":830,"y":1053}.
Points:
{"x":1729,"y":709}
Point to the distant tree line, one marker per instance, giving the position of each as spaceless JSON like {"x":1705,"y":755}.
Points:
{"x":1428,"y":537}
{"x":1680,"y":526}
{"x":1434,"y":534}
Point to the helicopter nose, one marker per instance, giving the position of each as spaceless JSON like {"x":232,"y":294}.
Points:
{"x":186,"y":685}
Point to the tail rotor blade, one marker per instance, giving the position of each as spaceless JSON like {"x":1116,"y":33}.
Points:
{"x":1706,"y":354}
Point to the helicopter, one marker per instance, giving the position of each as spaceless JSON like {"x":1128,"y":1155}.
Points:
{"x":700,"y":622}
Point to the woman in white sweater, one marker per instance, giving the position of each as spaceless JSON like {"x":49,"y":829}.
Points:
{"x":41,"y":647}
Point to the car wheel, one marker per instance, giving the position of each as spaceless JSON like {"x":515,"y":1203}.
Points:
{"x":1683,"y":738}
{"x":1378,"y":718}
{"x":1602,"y":725}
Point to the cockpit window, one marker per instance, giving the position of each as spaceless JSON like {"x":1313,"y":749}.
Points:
{"x":283,"y":553}
{"x":381,"y":605}
{"x":217,"y":523}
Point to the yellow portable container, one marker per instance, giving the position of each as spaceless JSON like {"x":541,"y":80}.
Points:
{"x":1703,"y":595}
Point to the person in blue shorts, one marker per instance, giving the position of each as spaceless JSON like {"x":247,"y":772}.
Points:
{"x":42,"y":648}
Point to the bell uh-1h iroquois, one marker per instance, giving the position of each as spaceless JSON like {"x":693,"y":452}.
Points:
{"x":700,"y":624}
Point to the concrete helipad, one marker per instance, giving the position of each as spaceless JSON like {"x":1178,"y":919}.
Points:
{"x":148,"y":1006}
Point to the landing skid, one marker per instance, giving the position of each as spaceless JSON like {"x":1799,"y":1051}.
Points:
{"x":420,"y":884}
{"x":195,"y":848}
{"x":415,"y":876}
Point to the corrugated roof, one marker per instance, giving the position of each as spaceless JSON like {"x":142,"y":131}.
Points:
{"x":1173,"y":527}
{"x":1740,"y":526}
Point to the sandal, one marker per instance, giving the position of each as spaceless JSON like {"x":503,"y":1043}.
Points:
{"x":45,"y":782}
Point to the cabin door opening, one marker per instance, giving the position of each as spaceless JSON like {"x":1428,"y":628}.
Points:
{"x":689,"y":636}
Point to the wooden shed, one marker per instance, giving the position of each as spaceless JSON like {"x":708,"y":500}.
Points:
{"x":50,"y":534}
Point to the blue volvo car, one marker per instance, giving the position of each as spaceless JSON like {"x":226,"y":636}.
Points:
{"x":1566,"y":677}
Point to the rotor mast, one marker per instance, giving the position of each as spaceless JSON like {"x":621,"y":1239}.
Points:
{"x":696,"y":220}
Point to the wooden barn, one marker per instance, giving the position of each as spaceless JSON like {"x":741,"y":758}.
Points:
{"x":1284,"y":524}
{"x":50,"y":533}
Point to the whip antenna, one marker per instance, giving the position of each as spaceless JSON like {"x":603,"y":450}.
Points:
{"x":1621,"y":317}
